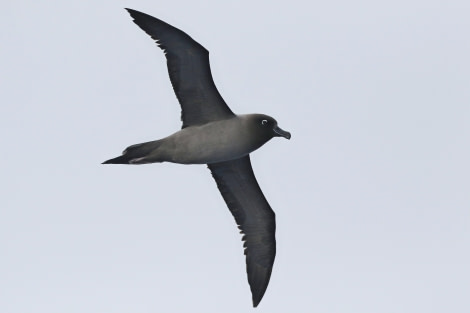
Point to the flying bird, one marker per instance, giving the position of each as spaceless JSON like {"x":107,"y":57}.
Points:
{"x":212,"y":134}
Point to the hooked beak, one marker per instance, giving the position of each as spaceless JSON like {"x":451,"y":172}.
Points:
{"x":281,"y":133}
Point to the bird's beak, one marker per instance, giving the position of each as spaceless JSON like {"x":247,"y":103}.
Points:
{"x":281,"y":133}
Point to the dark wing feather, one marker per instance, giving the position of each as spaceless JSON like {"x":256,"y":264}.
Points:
{"x":189,"y":70}
{"x":254,"y":216}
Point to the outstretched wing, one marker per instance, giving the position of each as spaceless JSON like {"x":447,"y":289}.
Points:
{"x":189,"y":69}
{"x":254,"y":216}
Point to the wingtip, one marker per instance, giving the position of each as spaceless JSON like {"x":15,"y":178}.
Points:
{"x":256,"y":299}
{"x":133,"y":13}
{"x":258,"y":279}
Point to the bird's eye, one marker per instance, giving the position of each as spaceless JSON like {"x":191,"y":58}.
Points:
{"x":264,"y":122}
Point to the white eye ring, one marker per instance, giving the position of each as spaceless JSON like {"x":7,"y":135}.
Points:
{"x":264,"y":122}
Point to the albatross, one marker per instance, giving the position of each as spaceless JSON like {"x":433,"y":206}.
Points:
{"x":212,"y":134}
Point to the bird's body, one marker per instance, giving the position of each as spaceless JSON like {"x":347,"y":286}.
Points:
{"x":198,"y":145}
{"x":212,"y":134}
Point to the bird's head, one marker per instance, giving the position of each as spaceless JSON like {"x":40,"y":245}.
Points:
{"x":267,"y":127}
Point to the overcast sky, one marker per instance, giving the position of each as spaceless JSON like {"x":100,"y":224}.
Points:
{"x":371,"y":193}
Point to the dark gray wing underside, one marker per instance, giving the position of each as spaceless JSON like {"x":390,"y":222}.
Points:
{"x":189,"y":70}
{"x":254,"y":216}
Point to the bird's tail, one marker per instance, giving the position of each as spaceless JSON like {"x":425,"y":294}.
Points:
{"x":137,"y":154}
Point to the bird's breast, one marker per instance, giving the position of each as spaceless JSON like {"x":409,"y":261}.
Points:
{"x":211,"y":143}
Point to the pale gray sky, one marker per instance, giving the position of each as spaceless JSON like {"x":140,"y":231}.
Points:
{"x":371,"y":194}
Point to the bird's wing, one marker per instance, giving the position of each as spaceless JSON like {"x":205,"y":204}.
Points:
{"x":189,"y":70}
{"x":254,"y":216}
